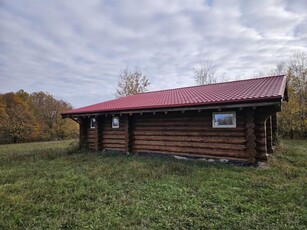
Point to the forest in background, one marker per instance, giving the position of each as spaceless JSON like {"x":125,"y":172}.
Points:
{"x":292,"y":120}
{"x":28,"y":117}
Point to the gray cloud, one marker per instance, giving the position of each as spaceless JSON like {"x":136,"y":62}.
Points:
{"x":76,"y":49}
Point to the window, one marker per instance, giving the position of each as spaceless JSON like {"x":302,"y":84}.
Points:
{"x":93,"y":123}
{"x":224,"y":120}
{"x":115,"y":122}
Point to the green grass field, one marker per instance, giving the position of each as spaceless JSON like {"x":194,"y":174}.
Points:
{"x":52,"y":186}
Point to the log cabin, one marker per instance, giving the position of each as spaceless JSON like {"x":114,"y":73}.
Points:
{"x":232,"y":120}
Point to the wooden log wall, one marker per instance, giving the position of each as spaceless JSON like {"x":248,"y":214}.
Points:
{"x":114,"y":138}
{"x":99,"y":132}
{"x":269,"y":136}
{"x":188,"y":133}
{"x":250,"y":136}
{"x":264,"y":132}
{"x":92,"y":135}
{"x":261,"y":141}
{"x":83,"y":143}
{"x":274,"y":129}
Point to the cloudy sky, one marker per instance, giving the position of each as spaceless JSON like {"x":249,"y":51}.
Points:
{"x":75,"y":50}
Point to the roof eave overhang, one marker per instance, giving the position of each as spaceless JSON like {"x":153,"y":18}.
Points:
{"x":253,"y":104}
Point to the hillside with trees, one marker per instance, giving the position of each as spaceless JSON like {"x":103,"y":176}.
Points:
{"x":33,"y":117}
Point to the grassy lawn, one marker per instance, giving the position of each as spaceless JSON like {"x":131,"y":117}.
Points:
{"x":52,"y":186}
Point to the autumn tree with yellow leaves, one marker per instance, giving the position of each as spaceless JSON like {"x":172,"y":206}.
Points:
{"x":292,"y":120}
{"x":33,"y":117}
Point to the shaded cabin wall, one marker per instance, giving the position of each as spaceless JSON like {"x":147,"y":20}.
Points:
{"x":188,"y":133}
{"x":114,"y":138}
{"x":103,"y":136}
{"x":83,"y":131}
{"x":266,"y":131}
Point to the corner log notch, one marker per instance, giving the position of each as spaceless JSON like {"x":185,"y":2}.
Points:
{"x":266,"y":128}
{"x":250,"y":136}
{"x":129,"y":134}
{"x":269,"y":135}
{"x":99,"y":127}
{"x":83,"y":132}
{"x":274,"y":129}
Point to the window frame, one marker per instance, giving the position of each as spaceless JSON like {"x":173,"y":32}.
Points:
{"x":115,"y":126}
{"x":91,"y":123}
{"x":234,"y":119}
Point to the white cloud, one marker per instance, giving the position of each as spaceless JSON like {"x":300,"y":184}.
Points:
{"x":76,"y":49}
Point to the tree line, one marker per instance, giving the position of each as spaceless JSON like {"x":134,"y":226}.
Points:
{"x":28,"y":117}
{"x":292,"y":120}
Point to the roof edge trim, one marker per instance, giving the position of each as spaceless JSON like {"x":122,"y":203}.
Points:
{"x":174,"y":109}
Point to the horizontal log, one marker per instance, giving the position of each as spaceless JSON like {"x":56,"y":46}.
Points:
{"x":195,"y":155}
{"x":112,"y":136}
{"x":179,"y":123}
{"x":211,"y":152}
{"x":91,"y":131}
{"x":174,"y":117}
{"x":111,"y":132}
{"x":114,"y":141}
{"x":110,"y":129}
{"x":179,"y":116}
{"x":91,"y":140}
{"x":230,"y":140}
{"x":116,"y":146}
{"x":188,"y":128}
{"x":189,"y":133}
{"x":189,"y":144}
{"x":114,"y":149}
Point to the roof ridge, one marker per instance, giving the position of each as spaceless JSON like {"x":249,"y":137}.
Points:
{"x":219,"y":83}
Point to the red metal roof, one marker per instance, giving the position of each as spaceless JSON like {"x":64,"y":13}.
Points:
{"x":257,"y":89}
